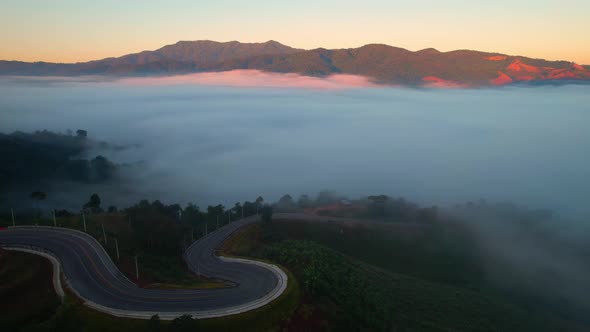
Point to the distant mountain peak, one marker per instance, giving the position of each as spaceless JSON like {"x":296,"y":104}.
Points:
{"x":496,"y":57}
{"x":380,"y":62}
{"x":382,"y":46}
{"x":429,"y":51}
{"x":274,"y":42}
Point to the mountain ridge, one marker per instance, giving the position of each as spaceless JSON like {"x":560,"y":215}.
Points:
{"x":381,"y":63}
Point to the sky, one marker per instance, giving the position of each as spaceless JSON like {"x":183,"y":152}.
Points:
{"x":78,"y":30}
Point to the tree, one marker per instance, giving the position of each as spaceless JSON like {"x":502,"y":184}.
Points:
{"x":238,"y":209}
{"x":215,"y":211}
{"x":101,"y":169}
{"x":427,"y":214}
{"x":249,"y":208}
{"x":267,"y":214}
{"x":378,"y":204}
{"x":38,"y":196}
{"x":153,"y":324}
{"x":78,"y":170}
{"x":191,"y":214}
{"x":81,"y":133}
{"x":156,"y":232}
{"x":304,"y":202}
{"x":286,"y":202}
{"x":93,"y":204}
{"x":183,"y":323}
{"x":326,"y":197}
{"x":112,"y":209}
{"x":259,"y":201}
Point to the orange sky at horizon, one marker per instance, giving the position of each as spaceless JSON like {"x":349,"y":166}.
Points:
{"x":77,"y":31}
{"x":84,"y":53}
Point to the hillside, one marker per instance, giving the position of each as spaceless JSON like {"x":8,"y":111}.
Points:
{"x":382,"y":63}
{"x":361,"y":277}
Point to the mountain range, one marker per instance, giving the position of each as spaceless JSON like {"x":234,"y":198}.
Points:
{"x":383,"y":64}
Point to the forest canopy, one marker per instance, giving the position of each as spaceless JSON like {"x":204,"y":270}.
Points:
{"x":47,"y":156}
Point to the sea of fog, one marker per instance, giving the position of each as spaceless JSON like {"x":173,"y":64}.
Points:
{"x":209,"y":144}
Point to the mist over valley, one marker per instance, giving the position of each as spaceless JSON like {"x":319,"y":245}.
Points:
{"x":186,"y":141}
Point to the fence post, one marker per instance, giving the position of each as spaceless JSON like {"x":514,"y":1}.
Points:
{"x":136,"y":268}
{"x":117,"y":247}
{"x":104,"y":234}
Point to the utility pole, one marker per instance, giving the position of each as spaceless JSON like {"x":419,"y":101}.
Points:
{"x":84,"y":220}
{"x":54,"y":220}
{"x":136,"y":269}
{"x":117,"y":247}
{"x":104,"y":234}
{"x":12,"y":214}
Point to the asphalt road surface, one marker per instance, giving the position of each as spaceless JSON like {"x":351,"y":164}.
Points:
{"x":90,"y":272}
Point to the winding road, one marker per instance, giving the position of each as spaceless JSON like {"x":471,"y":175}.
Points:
{"x":92,"y":275}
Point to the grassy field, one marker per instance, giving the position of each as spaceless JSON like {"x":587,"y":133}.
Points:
{"x":436,"y":254}
{"x":342,"y":291}
{"x":26,"y":290}
{"x":343,"y":277}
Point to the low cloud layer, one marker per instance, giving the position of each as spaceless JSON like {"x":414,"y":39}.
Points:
{"x":233,"y":142}
{"x":254,"y":78}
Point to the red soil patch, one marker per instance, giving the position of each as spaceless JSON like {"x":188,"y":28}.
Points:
{"x":524,"y":78}
{"x":503,"y":79}
{"x":578,"y":67}
{"x":437,"y":82}
{"x":561,"y":74}
{"x":497,"y":58}
{"x":520,"y":71}
{"x":518,"y":66}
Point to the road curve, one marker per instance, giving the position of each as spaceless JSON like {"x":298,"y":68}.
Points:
{"x":91,"y":274}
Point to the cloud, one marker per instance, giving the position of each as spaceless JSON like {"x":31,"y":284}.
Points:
{"x":255,"y":78}
{"x":201,"y":139}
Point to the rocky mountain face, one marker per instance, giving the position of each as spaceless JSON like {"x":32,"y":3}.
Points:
{"x":381,"y":63}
